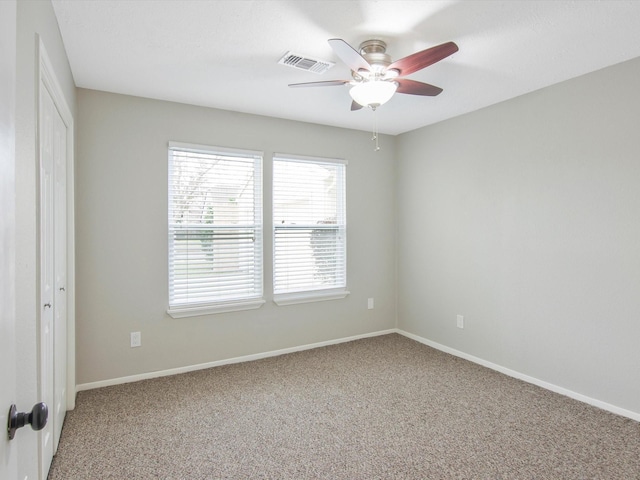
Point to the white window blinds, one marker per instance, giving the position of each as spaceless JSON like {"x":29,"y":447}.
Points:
{"x":309,"y":216}
{"x":215,"y":225}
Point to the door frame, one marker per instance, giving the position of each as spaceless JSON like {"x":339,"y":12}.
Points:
{"x":46,"y":76}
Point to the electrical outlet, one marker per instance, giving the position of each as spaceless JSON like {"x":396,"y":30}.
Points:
{"x":136,"y":339}
{"x":370,"y":303}
{"x":460,"y":321}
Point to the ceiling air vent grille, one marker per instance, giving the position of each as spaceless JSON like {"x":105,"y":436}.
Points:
{"x":301,"y":62}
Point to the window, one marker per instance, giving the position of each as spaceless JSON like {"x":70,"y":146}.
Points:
{"x":215,"y":230}
{"x":309,"y":229}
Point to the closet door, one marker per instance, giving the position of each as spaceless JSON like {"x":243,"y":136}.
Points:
{"x":46,"y":327}
{"x":53,"y":274}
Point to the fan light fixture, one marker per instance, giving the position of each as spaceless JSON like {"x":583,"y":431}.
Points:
{"x":376,"y":78}
{"x":373,"y":93}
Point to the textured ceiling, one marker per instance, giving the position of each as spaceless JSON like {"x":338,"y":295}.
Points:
{"x":224,"y":54}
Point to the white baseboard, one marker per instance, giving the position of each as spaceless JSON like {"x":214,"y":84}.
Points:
{"x":217,"y":363}
{"x":526,"y":378}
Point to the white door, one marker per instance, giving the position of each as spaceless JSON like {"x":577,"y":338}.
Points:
{"x":8,"y":463}
{"x":53,"y":274}
{"x":59,"y":406}
{"x":47,"y":114}
{"x":55,"y":128}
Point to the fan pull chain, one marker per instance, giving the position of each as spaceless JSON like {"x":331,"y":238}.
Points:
{"x":375,"y":129}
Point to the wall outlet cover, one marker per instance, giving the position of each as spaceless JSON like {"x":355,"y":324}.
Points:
{"x":136,"y":339}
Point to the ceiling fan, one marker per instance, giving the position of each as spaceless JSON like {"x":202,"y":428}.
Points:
{"x":375,"y":78}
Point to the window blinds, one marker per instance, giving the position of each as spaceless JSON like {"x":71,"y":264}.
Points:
{"x":215,"y":225}
{"x":309,"y":216}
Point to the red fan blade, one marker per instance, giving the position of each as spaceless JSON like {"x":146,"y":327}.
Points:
{"x":349,"y":55}
{"x":420,"y":60}
{"x":416,"y":88}
{"x":327,"y":83}
{"x":355,"y":106}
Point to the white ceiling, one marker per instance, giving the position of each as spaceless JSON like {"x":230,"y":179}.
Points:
{"x":224,"y":54}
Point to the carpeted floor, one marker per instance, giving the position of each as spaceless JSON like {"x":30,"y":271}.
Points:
{"x":380,"y":408}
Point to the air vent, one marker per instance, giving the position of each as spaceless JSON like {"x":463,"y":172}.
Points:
{"x":301,"y":62}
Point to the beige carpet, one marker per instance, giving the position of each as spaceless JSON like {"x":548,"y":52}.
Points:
{"x":379,"y":408}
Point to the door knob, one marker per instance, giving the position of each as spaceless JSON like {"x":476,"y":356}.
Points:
{"x":37,"y":417}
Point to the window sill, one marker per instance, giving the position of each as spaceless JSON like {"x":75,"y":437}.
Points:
{"x":182,"y":312}
{"x":308,"y":297}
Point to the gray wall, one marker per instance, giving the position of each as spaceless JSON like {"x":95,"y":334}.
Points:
{"x":35,"y":19}
{"x":121,"y":242}
{"x":525,"y":218}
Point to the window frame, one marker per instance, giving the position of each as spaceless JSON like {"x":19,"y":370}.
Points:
{"x":316,"y":294}
{"x":249,"y":302}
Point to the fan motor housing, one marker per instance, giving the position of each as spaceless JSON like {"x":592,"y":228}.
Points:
{"x":374,"y":52}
